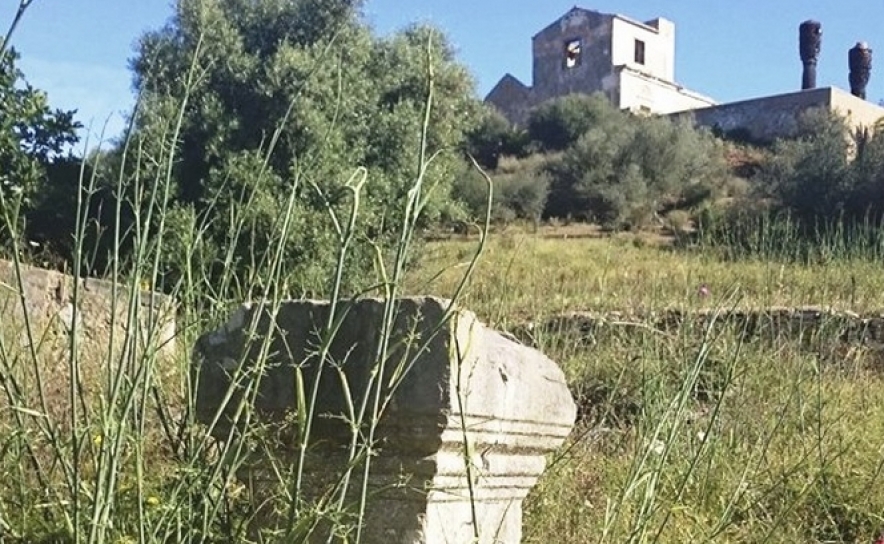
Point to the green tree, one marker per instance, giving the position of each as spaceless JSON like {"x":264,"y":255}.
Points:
{"x":34,"y":139}
{"x":288,"y":96}
{"x":494,"y":138}
{"x":32,"y":134}
{"x":520,"y":190}
{"x":625,"y":169}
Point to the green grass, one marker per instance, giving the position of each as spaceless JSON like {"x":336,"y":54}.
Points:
{"x":99,"y":440}
{"x":686,"y":438}
{"x":683,"y":435}
{"x":525,"y":276}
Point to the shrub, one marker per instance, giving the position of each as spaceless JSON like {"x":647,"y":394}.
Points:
{"x":525,"y":194}
{"x":557,"y":124}
{"x":624,"y":171}
{"x":495,"y":137}
{"x":519,"y":191}
{"x":866,"y":199}
{"x":679,"y":222}
{"x":825,"y":175}
{"x":809,"y":174}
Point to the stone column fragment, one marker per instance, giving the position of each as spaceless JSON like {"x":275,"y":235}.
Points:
{"x":464,"y":436}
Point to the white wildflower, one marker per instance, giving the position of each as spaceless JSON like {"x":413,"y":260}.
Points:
{"x":658,"y":447}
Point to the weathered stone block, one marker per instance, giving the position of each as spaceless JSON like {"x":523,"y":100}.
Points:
{"x":467,"y":425}
{"x":48,"y":298}
{"x":39,"y":309}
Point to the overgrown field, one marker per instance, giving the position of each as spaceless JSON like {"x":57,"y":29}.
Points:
{"x":686,"y":436}
{"x":282,"y":149}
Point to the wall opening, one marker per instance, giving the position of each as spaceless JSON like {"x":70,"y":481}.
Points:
{"x":573,"y":53}
{"x":639,"y":52}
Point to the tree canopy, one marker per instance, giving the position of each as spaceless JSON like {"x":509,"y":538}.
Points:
{"x":262,"y":98}
{"x":35,"y":153}
{"x":32,"y":135}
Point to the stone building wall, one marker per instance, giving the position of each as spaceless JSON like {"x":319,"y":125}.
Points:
{"x":551,"y":78}
{"x":512,"y":98}
{"x":658,"y":37}
{"x":768,"y":118}
{"x":641,"y":93}
{"x":859,"y":113}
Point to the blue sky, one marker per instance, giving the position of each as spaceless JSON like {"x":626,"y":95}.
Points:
{"x":77,"y":50}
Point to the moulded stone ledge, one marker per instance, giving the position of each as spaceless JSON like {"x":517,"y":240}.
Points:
{"x":464,"y":437}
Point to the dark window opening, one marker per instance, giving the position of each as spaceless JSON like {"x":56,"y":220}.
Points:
{"x":573,"y":53}
{"x":639,"y":52}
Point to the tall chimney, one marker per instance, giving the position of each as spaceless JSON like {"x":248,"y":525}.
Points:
{"x":810,"y":37}
{"x":860,"y":61}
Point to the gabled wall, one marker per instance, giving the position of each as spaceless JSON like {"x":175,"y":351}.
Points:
{"x":594,"y":71}
{"x":513,"y":98}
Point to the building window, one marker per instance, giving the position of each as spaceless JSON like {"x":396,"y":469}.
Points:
{"x":639,"y":52}
{"x":573,"y":52}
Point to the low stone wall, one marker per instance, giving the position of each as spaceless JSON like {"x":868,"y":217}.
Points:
{"x":49,"y":301}
{"x":798,"y":323}
{"x":768,"y":118}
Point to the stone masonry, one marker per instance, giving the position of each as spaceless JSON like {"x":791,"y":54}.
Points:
{"x":811,"y":324}
{"x":763,"y":120}
{"x":49,"y":301}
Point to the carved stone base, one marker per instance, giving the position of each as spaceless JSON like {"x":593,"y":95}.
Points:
{"x":462,"y":440}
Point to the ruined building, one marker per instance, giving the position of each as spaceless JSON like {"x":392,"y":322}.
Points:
{"x":633,"y":64}
{"x":585,"y":51}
